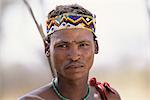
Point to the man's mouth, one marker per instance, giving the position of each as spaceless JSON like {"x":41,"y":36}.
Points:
{"x":74,"y":66}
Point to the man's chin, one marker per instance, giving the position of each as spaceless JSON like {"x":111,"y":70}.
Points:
{"x":76,"y":76}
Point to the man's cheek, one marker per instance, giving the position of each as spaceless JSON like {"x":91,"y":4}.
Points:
{"x":89,"y":58}
{"x":59,"y":59}
{"x":89,"y":55}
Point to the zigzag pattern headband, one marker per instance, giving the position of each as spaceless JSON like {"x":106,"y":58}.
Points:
{"x":69,"y":20}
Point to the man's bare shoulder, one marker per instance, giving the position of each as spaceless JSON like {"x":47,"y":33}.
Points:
{"x":41,"y":93}
{"x":30,"y":97}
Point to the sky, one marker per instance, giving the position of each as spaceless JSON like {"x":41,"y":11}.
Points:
{"x":122,"y":29}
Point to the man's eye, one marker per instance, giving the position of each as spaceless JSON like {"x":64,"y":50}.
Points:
{"x":83,"y":45}
{"x":62,"y":46}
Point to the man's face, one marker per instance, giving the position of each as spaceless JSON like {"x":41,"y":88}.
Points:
{"x":72,"y":52}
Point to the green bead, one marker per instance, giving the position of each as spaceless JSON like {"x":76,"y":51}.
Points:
{"x":64,"y":98}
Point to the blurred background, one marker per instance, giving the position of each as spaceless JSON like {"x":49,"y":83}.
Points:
{"x":123,"y":30}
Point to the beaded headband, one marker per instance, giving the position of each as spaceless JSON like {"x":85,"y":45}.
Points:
{"x":68,"y":20}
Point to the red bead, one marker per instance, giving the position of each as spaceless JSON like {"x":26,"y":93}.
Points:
{"x":93,"y":81}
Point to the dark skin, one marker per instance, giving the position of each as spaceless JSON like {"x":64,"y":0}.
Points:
{"x":71,"y":52}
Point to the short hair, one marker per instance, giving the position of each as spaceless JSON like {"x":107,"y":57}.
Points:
{"x":74,"y":8}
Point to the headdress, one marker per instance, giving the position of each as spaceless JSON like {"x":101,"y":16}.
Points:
{"x":70,"y":20}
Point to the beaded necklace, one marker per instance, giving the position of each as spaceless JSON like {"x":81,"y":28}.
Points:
{"x":64,"y":98}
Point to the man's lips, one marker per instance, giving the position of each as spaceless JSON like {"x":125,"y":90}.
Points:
{"x":74,"y":65}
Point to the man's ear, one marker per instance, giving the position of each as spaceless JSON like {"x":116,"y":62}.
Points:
{"x":96,"y":46}
{"x":47,"y":44}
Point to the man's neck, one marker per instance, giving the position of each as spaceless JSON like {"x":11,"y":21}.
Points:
{"x":73,"y":89}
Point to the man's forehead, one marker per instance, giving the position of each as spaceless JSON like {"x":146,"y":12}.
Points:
{"x":76,"y":35}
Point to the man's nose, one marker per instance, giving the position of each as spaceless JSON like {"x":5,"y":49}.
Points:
{"x":74,"y":53}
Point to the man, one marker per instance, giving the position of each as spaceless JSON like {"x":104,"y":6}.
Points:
{"x":70,"y":45}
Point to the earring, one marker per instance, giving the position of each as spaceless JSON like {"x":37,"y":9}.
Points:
{"x":47,"y":53}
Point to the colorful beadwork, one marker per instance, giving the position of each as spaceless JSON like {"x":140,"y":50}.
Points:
{"x":69,"y":20}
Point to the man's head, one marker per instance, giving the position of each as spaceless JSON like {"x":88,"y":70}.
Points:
{"x":71,"y":50}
